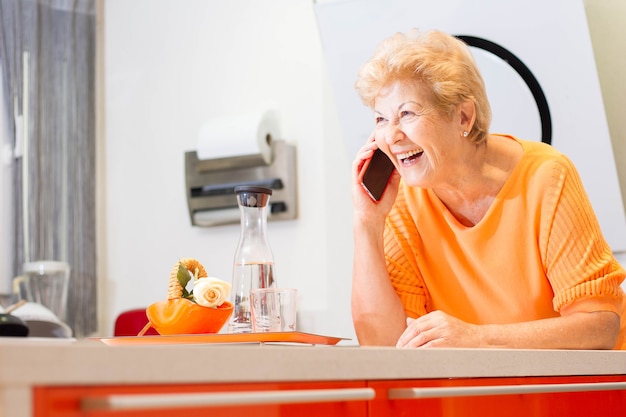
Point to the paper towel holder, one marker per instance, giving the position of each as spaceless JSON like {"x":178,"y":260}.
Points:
{"x":210,"y":184}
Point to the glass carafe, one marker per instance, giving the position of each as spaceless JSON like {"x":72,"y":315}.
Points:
{"x":253,"y":265}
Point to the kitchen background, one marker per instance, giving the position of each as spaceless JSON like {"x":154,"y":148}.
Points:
{"x":165,"y":67}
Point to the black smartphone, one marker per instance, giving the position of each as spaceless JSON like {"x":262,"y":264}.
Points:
{"x":376,"y":174}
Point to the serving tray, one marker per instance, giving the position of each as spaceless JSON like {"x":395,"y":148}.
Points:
{"x":273,"y":337}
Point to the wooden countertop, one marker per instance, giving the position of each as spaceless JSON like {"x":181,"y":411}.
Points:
{"x":26,"y":362}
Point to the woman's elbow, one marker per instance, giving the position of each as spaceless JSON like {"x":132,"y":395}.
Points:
{"x":607,"y":329}
{"x":370,"y":335}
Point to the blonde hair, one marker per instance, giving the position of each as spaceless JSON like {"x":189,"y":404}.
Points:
{"x":440,"y":63}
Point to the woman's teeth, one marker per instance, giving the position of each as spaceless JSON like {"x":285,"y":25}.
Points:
{"x":410,"y":155}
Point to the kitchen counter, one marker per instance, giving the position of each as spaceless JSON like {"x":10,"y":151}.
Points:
{"x":28,"y":363}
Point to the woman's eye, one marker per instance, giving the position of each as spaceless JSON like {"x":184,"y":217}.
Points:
{"x":379,"y":120}
{"x":407,"y":116}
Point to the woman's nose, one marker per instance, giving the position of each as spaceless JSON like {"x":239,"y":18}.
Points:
{"x":394,"y":133}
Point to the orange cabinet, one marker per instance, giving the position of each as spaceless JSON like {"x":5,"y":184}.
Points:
{"x":574,"y":396}
{"x":241,"y":399}
{"x":495,"y":397}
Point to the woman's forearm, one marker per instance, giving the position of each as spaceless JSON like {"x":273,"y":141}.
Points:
{"x":377,"y":312}
{"x":594,"y":330}
{"x":582,"y":330}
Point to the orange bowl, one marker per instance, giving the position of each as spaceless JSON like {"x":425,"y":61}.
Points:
{"x":182,"y":316}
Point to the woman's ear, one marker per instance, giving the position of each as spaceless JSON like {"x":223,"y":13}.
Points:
{"x":467,"y":115}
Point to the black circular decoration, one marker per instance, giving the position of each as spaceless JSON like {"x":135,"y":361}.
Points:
{"x":524,"y":72}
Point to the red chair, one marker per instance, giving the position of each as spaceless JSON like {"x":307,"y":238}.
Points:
{"x":131,"y":322}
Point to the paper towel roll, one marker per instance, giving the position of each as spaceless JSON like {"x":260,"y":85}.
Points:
{"x":249,"y":134}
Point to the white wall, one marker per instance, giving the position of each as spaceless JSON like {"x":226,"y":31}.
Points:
{"x":167,"y":67}
{"x":607,"y":27}
{"x":6,"y":211}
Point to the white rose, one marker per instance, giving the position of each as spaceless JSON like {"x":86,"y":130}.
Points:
{"x":211,"y":292}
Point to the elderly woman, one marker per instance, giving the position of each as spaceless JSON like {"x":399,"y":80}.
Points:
{"x":480,"y":239}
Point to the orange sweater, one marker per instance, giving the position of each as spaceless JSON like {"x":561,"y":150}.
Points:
{"x":537,"y":253}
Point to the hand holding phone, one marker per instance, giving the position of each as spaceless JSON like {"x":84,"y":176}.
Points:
{"x":376,"y":174}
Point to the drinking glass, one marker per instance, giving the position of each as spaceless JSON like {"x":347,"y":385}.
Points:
{"x":273,"y":309}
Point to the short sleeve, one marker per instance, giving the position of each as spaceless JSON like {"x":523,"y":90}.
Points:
{"x":579,"y":263}
{"x":401,"y":243}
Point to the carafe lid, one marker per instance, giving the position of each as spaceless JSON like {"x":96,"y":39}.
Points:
{"x":252,"y":189}
{"x":252,"y":195}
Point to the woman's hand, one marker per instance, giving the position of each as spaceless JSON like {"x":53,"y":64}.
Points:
{"x":363,"y":204}
{"x":438,"y":329}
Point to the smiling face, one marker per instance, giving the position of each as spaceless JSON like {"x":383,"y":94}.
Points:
{"x":427,"y":147}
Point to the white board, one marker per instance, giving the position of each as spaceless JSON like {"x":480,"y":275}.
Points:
{"x":550,"y":38}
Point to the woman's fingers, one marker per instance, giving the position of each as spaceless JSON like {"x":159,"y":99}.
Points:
{"x":437,"y":329}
